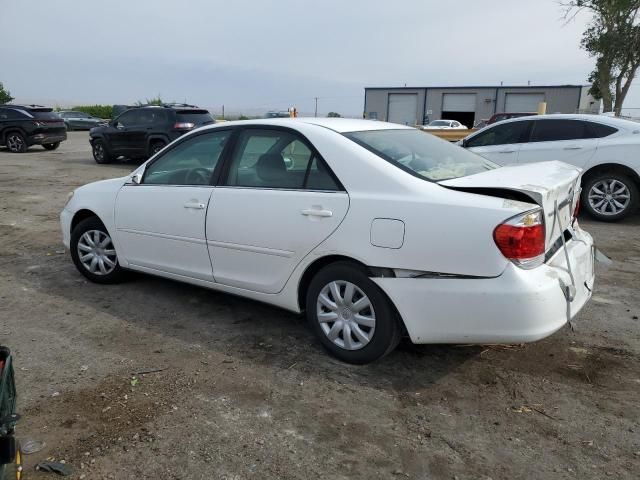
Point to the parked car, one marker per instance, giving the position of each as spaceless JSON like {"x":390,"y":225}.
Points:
{"x":445,"y":125}
{"x":79,"y":120}
{"x":143,"y":131}
{"x":498,"y":117}
{"x":22,"y":126}
{"x":376,"y":230}
{"x":607,"y":149}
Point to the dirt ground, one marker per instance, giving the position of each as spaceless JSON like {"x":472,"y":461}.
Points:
{"x":246,"y":392}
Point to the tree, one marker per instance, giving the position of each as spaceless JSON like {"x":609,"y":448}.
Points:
{"x":5,"y":95}
{"x":151,"y":101}
{"x":333,"y":115}
{"x":613,"y":38}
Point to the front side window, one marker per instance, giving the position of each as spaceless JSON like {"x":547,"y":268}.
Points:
{"x":421,"y":153}
{"x":502,"y":134}
{"x":191,"y":162}
{"x":558,"y":130}
{"x":277,"y":159}
{"x":128,"y":118}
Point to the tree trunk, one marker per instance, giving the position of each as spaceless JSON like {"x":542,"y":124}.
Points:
{"x":604,"y":79}
{"x":624,"y":90}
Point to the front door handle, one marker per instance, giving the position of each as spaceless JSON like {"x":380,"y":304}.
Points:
{"x":314,"y":212}
{"x":507,"y":151}
{"x":573,"y":147}
{"x":194,"y":205}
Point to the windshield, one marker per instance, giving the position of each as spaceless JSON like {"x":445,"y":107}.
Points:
{"x":439,"y":123}
{"x":421,"y":153}
{"x":199,"y":117}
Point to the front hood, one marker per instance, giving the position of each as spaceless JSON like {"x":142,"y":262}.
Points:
{"x":109,"y":185}
{"x":547,"y":183}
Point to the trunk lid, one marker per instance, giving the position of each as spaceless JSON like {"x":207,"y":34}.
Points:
{"x":546,"y":183}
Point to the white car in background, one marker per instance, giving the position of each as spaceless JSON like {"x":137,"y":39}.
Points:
{"x":374,"y":229}
{"x":445,"y":125}
{"x":606,"y":149}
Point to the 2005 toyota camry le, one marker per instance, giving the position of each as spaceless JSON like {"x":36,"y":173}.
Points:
{"x":375,"y":230}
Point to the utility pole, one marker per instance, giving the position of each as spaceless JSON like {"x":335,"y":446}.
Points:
{"x":223,"y":112}
{"x":315,"y":114}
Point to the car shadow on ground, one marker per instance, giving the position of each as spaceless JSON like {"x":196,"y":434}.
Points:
{"x":248,"y":331}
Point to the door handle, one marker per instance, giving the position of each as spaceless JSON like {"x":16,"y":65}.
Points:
{"x":573,"y":147}
{"x":313,"y":212}
{"x":194,"y":205}
{"x":507,"y":151}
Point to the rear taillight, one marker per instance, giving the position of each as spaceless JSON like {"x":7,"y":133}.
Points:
{"x":184,"y":125}
{"x":522,"y":239}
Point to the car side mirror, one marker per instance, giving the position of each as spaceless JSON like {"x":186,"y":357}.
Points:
{"x":119,"y":126}
{"x":137,"y":178}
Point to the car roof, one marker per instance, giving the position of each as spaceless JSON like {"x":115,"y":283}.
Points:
{"x":613,"y":121}
{"x":340,"y":125}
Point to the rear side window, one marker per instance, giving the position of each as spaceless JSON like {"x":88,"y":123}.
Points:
{"x":277,"y":159}
{"x":600,"y":130}
{"x":558,"y":130}
{"x":11,"y":114}
{"x":502,"y":134}
{"x":45,"y":114}
{"x":198,"y":117}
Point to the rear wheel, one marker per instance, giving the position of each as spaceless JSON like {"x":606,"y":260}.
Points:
{"x":100,"y":153}
{"x":51,"y":146}
{"x":155,"y":147}
{"x":609,"y":196}
{"x":16,"y":142}
{"x":69,"y":127}
{"x":93,"y":252}
{"x":351,"y":316}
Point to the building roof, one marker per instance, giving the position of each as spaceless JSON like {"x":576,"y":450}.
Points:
{"x":474,"y":87}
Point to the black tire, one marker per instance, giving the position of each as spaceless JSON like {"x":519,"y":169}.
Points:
{"x":606,"y":214}
{"x":94,"y":224}
{"x":15,"y":142}
{"x":155,"y":147}
{"x":14,"y":470}
{"x":69,"y":127}
{"x":100,"y":153}
{"x":51,"y":146}
{"x":386,"y":333}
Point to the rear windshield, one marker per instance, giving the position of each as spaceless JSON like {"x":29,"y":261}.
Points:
{"x":199,"y":117}
{"x":421,"y":153}
{"x":45,"y":114}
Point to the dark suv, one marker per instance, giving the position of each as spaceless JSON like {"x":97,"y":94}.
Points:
{"x":140,"y":132}
{"x":22,"y":126}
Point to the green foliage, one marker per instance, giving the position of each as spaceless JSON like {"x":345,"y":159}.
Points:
{"x":157,"y":100}
{"x":243,"y":117}
{"x":100,"y":111}
{"x":613,"y":38}
{"x":334,"y":115}
{"x":5,"y":95}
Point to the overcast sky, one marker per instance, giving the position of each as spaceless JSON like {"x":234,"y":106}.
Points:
{"x":256,"y":55}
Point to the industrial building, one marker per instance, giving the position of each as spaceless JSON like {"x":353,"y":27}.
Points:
{"x":470,"y":105}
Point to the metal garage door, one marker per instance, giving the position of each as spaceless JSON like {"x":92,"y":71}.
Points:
{"x":459,"y":102}
{"x":403,"y":108}
{"x":522,"y":102}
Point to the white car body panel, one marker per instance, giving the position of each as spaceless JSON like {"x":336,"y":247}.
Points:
{"x":260,"y":244}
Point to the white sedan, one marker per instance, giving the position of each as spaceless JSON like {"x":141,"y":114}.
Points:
{"x":606,"y":148}
{"x":374,"y":229}
{"x":445,"y":125}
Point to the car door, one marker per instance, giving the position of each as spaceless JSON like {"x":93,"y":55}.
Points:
{"x":500,"y":143}
{"x":128,"y":137}
{"x":160,"y":221}
{"x":278,"y":201}
{"x":570,"y":141}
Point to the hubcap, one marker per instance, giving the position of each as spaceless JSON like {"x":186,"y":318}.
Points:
{"x":98,"y":151}
{"x":346,"y":315}
{"x":96,"y":252}
{"x":15,"y":143}
{"x":609,"y":197}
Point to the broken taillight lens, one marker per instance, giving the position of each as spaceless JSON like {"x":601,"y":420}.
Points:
{"x":522,"y":239}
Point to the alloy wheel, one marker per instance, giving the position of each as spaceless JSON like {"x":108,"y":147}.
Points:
{"x":15,"y":143}
{"x":97,"y":253}
{"x":98,"y":151}
{"x":609,"y":197}
{"x":346,"y":315}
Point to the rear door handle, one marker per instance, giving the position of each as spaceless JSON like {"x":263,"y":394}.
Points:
{"x":573,"y":147}
{"x":507,"y":151}
{"x":194,"y":205}
{"x":313,"y":212}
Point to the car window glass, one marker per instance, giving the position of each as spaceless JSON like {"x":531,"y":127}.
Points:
{"x":319,"y":177}
{"x":128,"y":118}
{"x":600,"y":130}
{"x":191,"y":162}
{"x":502,"y":134}
{"x":557,"y":130}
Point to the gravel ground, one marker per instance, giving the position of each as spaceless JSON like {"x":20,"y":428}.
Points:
{"x":244,"y":391}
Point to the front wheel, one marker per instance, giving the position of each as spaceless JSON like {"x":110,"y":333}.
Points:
{"x":100,"y":153}
{"x":51,"y":146}
{"x":351,"y":316}
{"x":93,"y":252}
{"x":609,"y":197}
